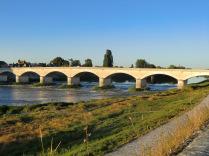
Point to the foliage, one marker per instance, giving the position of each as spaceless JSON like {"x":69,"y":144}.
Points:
{"x":59,"y":62}
{"x":176,"y":67}
{"x":108,"y":59}
{"x":74,"y":63}
{"x":88,"y":63}
{"x":142,"y":63}
{"x":3,"y":64}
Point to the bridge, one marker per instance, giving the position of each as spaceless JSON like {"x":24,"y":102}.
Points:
{"x":104,"y":74}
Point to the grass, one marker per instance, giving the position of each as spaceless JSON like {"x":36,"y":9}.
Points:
{"x":94,"y":127}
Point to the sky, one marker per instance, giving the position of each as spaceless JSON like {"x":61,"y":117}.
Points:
{"x":163,"y":32}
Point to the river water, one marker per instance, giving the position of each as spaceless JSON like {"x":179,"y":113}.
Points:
{"x":27,"y":94}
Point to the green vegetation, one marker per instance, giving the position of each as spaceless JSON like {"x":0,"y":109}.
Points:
{"x":107,"y":62}
{"x":88,"y":63}
{"x":176,"y":67}
{"x":108,"y":59}
{"x":59,"y":62}
{"x":90,"y":128}
{"x":141,"y":63}
{"x":3,"y":64}
{"x":74,"y":63}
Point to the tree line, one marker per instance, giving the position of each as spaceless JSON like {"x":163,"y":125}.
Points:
{"x":107,"y":62}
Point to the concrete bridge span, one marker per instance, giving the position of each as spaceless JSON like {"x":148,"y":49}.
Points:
{"x":104,"y":74}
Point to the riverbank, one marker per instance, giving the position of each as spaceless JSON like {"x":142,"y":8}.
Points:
{"x":172,"y":137}
{"x":199,"y":145}
{"x":94,"y":127}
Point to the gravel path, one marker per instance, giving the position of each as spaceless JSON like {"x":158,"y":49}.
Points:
{"x":199,"y":147}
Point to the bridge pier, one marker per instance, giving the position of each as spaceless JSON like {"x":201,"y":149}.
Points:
{"x":45,"y":80}
{"x":42,"y":79}
{"x":22,"y":79}
{"x":104,"y":82}
{"x":17,"y":79}
{"x":141,"y":83}
{"x":181,"y":84}
{"x":71,"y":81}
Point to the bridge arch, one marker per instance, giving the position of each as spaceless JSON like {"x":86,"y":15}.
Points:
{"x":119,"y":79}
{"x":160,"y":78}
{"x":197,"y":78}
{"x":7,"y":76}
{"x":88,"y":79}
{"x":196,"y":75}
{"x":55,"y":77}
{"x":160,"y":81}
{"x":81,"y":72}
{"x":29,"y":77}
{"x":109,"y":74}
{"x":159,"y":73}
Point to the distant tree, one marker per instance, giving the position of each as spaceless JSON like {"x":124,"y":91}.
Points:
{"x":132,"y":66}
{"x":59,"y":62}
{"x":142,"y":63}
{"x":176,"y":67}
{"x":23,"y":63}
{"x":88,"y":63}
{"x":108,"y":59}
{"x":42,"y":64}
{"x":151,"y":66}
{"x":172,"y":67}
{"x":3,"y":64}
{"x":74,"y":63}
{"x":159,"y":67}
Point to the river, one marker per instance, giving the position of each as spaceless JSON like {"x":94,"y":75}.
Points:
{"x":27,"y":94}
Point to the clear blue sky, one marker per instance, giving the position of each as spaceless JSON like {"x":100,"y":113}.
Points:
{"x":161,"y":31}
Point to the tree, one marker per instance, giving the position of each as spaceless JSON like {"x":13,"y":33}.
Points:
{"x":88,"y":63}
{"x":141,"y":63}
{"x":3,"y":64}
{"x":176,"y":67}
{"x":132,"y":66}
{"x":59,"y":62}
{"x":74,"y":63}
{"x":151,"y":66}
{"x":108,"y":59}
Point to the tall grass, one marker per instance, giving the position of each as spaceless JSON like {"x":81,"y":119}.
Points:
{"x":172,"y":142}
{"x":48,"y":152}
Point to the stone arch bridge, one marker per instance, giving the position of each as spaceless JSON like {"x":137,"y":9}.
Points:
{"x":104,"y":74}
